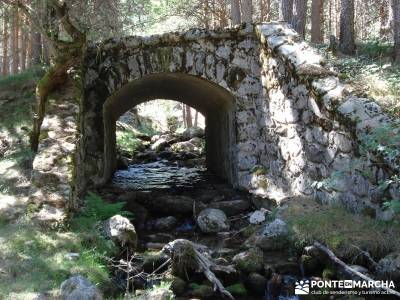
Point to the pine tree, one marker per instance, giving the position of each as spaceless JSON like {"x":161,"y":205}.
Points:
{"x":346,"y":41}
{"x":396,"y":29}
{"x":317,"y":12}
{"x":247,"y":11}
{"x":299,"y":16}
{"x":286,"y":10}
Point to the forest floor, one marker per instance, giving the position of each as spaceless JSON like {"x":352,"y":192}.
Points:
{"x":371,"y":74}
{"x":33,"y":259}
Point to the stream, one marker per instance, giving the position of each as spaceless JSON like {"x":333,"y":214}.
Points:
{"x":166,"y":196}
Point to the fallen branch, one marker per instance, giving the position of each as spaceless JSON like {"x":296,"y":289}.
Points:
{"x":180,"y":248}
{"x":367,"y":256}
{"x":350,"y":271}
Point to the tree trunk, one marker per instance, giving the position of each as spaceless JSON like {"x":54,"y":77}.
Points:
{"x":265,"y":10}
{"x":247,"y":11}
{"x":24,"y":45}
{"x":347,"y":44}
{"x":235,"y":12}
{"x":15,"y":39}
{"x":299,"y":16}
{"x":337,"y":13}
{"x":184,"y":115}
{"x":396,"y":29}
{"x":317,"y":13}
{"x":189,"y":122}
{"x":5,"y":45}
{"x":286,"y":10}
{"x":46,"y":53}
{"x":196,"y":119}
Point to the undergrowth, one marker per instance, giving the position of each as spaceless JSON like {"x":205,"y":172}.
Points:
{"x":127,"y":141}
{"x":372,"y":74}
{"x":31,"y":74}
{"x":35,"y":260}
{"x":343,"y":232}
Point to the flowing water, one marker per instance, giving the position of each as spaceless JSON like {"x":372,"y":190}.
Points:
{"x":160,"y":175}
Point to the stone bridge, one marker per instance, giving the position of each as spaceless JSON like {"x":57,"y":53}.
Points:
{"x":277,"y":119}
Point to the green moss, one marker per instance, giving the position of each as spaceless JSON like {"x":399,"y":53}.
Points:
{"x":328,"y":273}
{"x":237,"y":289}
{"x":165,"y":56}
{"x":201,"y":290}
{"x":259,"y":170}
{"x":128,"y":142}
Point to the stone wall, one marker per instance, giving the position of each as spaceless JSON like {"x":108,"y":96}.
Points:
{"x":228,"y":59}
{"x":53,"y":167}
{"x":312,"y":129}
{"x":289,"y":128}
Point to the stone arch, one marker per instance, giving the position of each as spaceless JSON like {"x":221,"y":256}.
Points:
{"x":213,"y":101}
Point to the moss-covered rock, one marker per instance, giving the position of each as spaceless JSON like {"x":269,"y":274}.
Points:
{"x":201,"y":290}
{"x":237,"y":289}
{"x":249,"y":261}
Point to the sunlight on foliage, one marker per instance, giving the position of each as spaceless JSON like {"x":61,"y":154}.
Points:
{"x":340,"y":230}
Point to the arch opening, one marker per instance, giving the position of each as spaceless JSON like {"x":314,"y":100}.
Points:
{"x":215,"y":103}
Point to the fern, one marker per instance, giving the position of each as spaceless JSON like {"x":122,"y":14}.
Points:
{"x":96,"y":209}
{"x":393,"y":204}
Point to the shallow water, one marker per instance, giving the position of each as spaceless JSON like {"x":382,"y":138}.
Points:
{"x":159,"y":175}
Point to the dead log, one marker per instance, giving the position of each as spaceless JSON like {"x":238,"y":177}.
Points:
{"x":187,"y":255}
{"x":348,"y":270}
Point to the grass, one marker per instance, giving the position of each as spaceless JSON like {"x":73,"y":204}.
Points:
{"x":32,"y":74}
{"x":34,"y":259}
{"x":340,"y":230}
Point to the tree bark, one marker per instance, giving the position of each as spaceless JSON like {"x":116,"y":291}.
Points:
{"x":396,"y":29}
{"x":317,"y":12}
{"x":189,"y":121}
{"x":265,"y":10}
{"x":286,"y":10}
{"x":235,"y":12}
{"x":299,"y":16}
{"x":24,"y":44}
{"x":5,"y":69}
{"x":184,"y":115}
{"x":247,"y":11}
{"x":196,"y":119}
{"x":347,"y":44}
{"x":15,"y":40}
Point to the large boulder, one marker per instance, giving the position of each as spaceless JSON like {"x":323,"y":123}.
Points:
{"x":162,"y":142}
{"x":186,"y":146}
{"x":272,"y":236}
{"x":121,"y":231}
{"x":256,"y":283}
{"x":249,"y":261}
{"x":192,"y":132}
{"x":158,"y":294}
{"x":212,"y":220}
{"x":389,"y":267}
{"x":79,"y":288}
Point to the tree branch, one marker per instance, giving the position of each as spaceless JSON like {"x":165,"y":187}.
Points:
{"x":62,"y":14}
{"x":348,"y":270}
